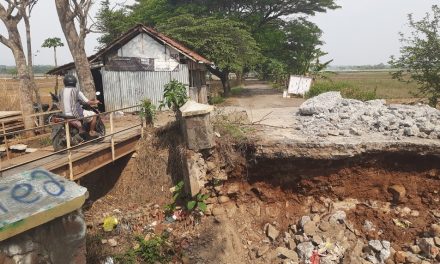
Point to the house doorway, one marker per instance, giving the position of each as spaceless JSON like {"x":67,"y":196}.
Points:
{"x":97,"y":79}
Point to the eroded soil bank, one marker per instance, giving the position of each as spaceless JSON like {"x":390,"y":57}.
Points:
{"x":365,"y":181}
{"x":271,"y":209}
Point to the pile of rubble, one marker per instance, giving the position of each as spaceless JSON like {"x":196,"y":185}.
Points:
{"x":329,"y":238}
{"x":425,"y":249}
{"x":329,"y":114}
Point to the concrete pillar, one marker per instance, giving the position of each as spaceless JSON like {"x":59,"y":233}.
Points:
{"x":197,"y":127}
{"x":40,"y":220}
{"x":199,"y":135}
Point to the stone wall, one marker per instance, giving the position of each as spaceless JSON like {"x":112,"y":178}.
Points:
{"x":62,"y":240}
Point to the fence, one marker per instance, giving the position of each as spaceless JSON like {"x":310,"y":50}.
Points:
{"x":69,"y":148}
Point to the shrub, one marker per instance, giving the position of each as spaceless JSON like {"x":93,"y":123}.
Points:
{"x":347,"y":90}
{"x":174,"y":95}
{"x":154,"y":250}
{"x":148,"y":111}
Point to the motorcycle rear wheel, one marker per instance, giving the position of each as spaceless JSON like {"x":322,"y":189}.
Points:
{"x":59,"y":141}
{"x":100,"y":128}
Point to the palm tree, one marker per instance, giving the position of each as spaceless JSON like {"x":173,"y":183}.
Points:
{"x":53,"y":43}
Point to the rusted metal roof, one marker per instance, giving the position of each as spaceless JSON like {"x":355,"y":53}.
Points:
{"x":126,"y":37}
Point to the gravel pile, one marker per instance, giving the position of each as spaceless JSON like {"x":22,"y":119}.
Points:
{"x":329,"y":114}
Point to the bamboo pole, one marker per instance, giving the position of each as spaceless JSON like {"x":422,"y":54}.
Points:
{"x":112,"y":140}
{"x":69,"y":151}
{"x":5,"y":139}
{"x":142,"y":127}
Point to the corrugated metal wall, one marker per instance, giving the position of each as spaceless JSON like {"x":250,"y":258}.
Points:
{"x":124,"y":89}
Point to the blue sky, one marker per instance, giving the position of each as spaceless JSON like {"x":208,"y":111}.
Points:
{"x":361,"y":32}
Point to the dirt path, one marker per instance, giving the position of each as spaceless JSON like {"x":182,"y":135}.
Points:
{"x":260,"y":95}
{"x":264,"y":105}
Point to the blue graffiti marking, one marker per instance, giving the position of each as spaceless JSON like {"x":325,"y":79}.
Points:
{"x":3,"y":209}
{"x":18,"y":195}
{"x":37,"y":173}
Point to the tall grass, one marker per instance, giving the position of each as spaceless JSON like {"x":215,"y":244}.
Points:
{"x":382,"y":82}
{"x":9,"y":92}
{"x":9,"y":100}
{"x":347,"y":90}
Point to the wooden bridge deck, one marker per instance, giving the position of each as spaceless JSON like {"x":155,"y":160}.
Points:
{"x":85,"y":159}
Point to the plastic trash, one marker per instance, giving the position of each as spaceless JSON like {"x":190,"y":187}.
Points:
{"x":110,"y":222}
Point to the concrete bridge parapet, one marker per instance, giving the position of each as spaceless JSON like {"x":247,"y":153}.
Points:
{"x":41,"y":220}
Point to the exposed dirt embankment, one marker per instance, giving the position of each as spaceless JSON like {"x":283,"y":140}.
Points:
{"x":364,"y":186}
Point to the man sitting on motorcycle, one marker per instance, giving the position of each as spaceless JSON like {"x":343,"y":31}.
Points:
{"x":70,"y":103}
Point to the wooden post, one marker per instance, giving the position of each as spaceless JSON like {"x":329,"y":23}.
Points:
{"x":142,"y":127}
{"x":112,"y":140}
{"x":69,"y":152}
{"x":5,"y":139}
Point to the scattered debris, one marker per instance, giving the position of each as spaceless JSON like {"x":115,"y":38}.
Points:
{"x":109,"y":223}
{"x":18,"y":147}
{"x":30,"y":150}
{"x":402,"y":223}
{"x":112,"y":242}
{"x":271,"y":232}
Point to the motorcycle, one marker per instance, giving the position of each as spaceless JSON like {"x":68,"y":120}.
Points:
{"x":47,"y":108}
{"x":58,"y":136}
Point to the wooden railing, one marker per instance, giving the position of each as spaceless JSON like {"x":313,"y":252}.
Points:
{"x":69,"y":148}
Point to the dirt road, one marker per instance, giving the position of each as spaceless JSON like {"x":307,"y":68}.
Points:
{"x":264,"y":104}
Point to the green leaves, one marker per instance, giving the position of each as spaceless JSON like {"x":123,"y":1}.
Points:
{"x":419,"y":59}
{"x":191,"y":204}
{"x":174,"y":96}
{"x":227,"y":43}
{"x":202,"y":206}
{"x":148,"y":110}
{"x":198,"y":202}
{"x":52,"y":43}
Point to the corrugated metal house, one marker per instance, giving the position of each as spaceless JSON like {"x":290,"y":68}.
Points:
{"x":138,"y":64}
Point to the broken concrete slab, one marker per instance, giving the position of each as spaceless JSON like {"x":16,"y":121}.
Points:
{"x":32,"y":198}
{"x":192,"y":108}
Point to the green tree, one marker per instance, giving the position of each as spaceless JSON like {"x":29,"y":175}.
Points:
{"x":419,"y":59}
{"x":302,"y":45}
{"x":275,"y":26}
{"x":227,"y":43}
{"x":112,"y":22}
{"x":290,"y":48}
{"x":53,"y":43}
{"x":256,"y":13}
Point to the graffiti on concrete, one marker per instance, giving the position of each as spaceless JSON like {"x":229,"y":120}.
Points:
{"x":24,"y":192}
{"x":34,"y":197}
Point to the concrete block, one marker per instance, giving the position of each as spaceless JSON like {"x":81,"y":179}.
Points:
{"x":197,"y":127}
{"x":62,"y":240}
{"x":32,"y":198}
